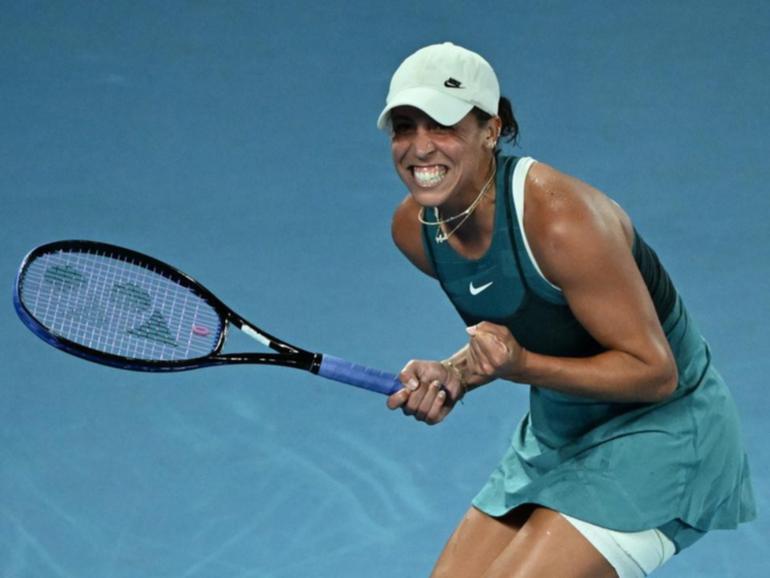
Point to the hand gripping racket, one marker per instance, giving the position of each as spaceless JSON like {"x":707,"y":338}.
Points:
{"x":118,"y":307}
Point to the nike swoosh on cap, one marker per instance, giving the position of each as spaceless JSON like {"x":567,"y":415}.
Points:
{"x":476,"y":290}
{"x":453,"y":83}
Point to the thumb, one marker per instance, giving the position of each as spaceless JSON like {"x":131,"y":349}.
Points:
{"x":487,"y":336}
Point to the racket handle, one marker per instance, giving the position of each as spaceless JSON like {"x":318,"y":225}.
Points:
{"x":358,"y":375}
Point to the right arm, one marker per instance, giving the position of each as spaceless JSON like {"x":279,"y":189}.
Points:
{"x":423,"y":395}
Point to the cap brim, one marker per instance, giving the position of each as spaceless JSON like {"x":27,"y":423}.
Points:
{"x":441,"y":107}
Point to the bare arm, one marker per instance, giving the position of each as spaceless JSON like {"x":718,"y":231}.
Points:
{"x":581,"y":242}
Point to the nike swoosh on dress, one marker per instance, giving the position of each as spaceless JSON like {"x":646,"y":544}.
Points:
{"x":476,"y":290}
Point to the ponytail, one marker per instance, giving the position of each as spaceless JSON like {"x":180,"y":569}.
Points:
{"x":510,"y":128}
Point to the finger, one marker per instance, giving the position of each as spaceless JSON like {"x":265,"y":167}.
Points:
{"x":412,"y":405}
{"x":494,"y":350}
{"x":398,"y":399}
{"x":417,"y":371}
{"x":427,"y":402}
{"x":500,"y":331}
{"x":435,"y":413}
{"x":453,"y":391}
{"x":409,"y":378}
{"x":492,"y":333}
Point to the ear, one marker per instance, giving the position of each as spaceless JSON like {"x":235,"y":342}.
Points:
{"x":493,"y":128}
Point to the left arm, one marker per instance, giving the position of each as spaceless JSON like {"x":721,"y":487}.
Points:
{"x":581,"y":241}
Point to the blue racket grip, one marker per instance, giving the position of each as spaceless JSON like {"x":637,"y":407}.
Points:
{"x":359,"y":375}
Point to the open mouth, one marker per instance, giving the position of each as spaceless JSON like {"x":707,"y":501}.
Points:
{"x":429,"y":176}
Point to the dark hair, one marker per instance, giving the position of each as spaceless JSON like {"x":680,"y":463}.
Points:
{"x":510,"y":129}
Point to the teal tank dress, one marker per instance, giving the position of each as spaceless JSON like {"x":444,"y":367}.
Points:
{"x":677,"y":465}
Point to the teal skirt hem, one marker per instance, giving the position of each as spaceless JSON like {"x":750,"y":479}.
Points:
{"x":678,"y":465}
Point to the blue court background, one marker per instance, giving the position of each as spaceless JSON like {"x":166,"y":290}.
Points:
{"x":236,"y":140}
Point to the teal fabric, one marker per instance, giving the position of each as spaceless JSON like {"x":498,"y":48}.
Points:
{"x":677,"y":465}
{"x":519,"y":297}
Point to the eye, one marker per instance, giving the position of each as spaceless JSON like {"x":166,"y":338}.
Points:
{"x":441,"y":128}
{"x":401,"y":126}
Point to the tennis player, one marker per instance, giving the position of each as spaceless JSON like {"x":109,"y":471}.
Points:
{"x":630,"y":451}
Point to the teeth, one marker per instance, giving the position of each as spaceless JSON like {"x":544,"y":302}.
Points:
{"x":429,"y":176}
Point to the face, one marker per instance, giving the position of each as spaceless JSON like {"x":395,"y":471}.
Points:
{"x":441,"y":165}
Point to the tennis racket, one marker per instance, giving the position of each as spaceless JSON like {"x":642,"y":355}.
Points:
{"x":121,"y":308}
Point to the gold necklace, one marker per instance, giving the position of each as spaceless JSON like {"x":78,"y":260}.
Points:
{"x":442,"y":237}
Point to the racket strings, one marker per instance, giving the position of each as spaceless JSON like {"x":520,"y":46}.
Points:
{"x":119,"y":306}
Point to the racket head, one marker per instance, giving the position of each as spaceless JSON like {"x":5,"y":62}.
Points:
{"x":119,"y":307}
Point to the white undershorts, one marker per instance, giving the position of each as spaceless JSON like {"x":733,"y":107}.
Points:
{"x":631,"y":554}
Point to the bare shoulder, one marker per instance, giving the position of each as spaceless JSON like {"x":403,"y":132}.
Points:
{"x":407,"y":235}
{"x":566,"y":219}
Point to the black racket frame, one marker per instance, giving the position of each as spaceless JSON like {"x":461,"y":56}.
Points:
{"x":287,"y":355}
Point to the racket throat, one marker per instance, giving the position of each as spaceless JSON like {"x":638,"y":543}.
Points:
{"x":257,"y":335}
{"x":290,"y":356}
{"x":272,"y":343}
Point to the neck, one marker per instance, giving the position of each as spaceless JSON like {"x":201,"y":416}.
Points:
{"x":475,"y":233}
{"x":462,"y":201}
{"x":474,"y":220}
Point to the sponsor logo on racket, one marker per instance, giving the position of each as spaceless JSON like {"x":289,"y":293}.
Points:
{"x":200,"y":330}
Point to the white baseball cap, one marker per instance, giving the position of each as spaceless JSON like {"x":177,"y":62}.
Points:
{"x":444,"y":81}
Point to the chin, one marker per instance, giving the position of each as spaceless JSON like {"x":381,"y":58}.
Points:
{"x":428,"y":197}
{"x":433,"y":196}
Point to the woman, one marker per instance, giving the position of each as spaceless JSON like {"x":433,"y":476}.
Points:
{"x":630,"y":451}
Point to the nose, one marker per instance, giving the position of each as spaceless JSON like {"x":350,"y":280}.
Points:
{"x":423,"y":142}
